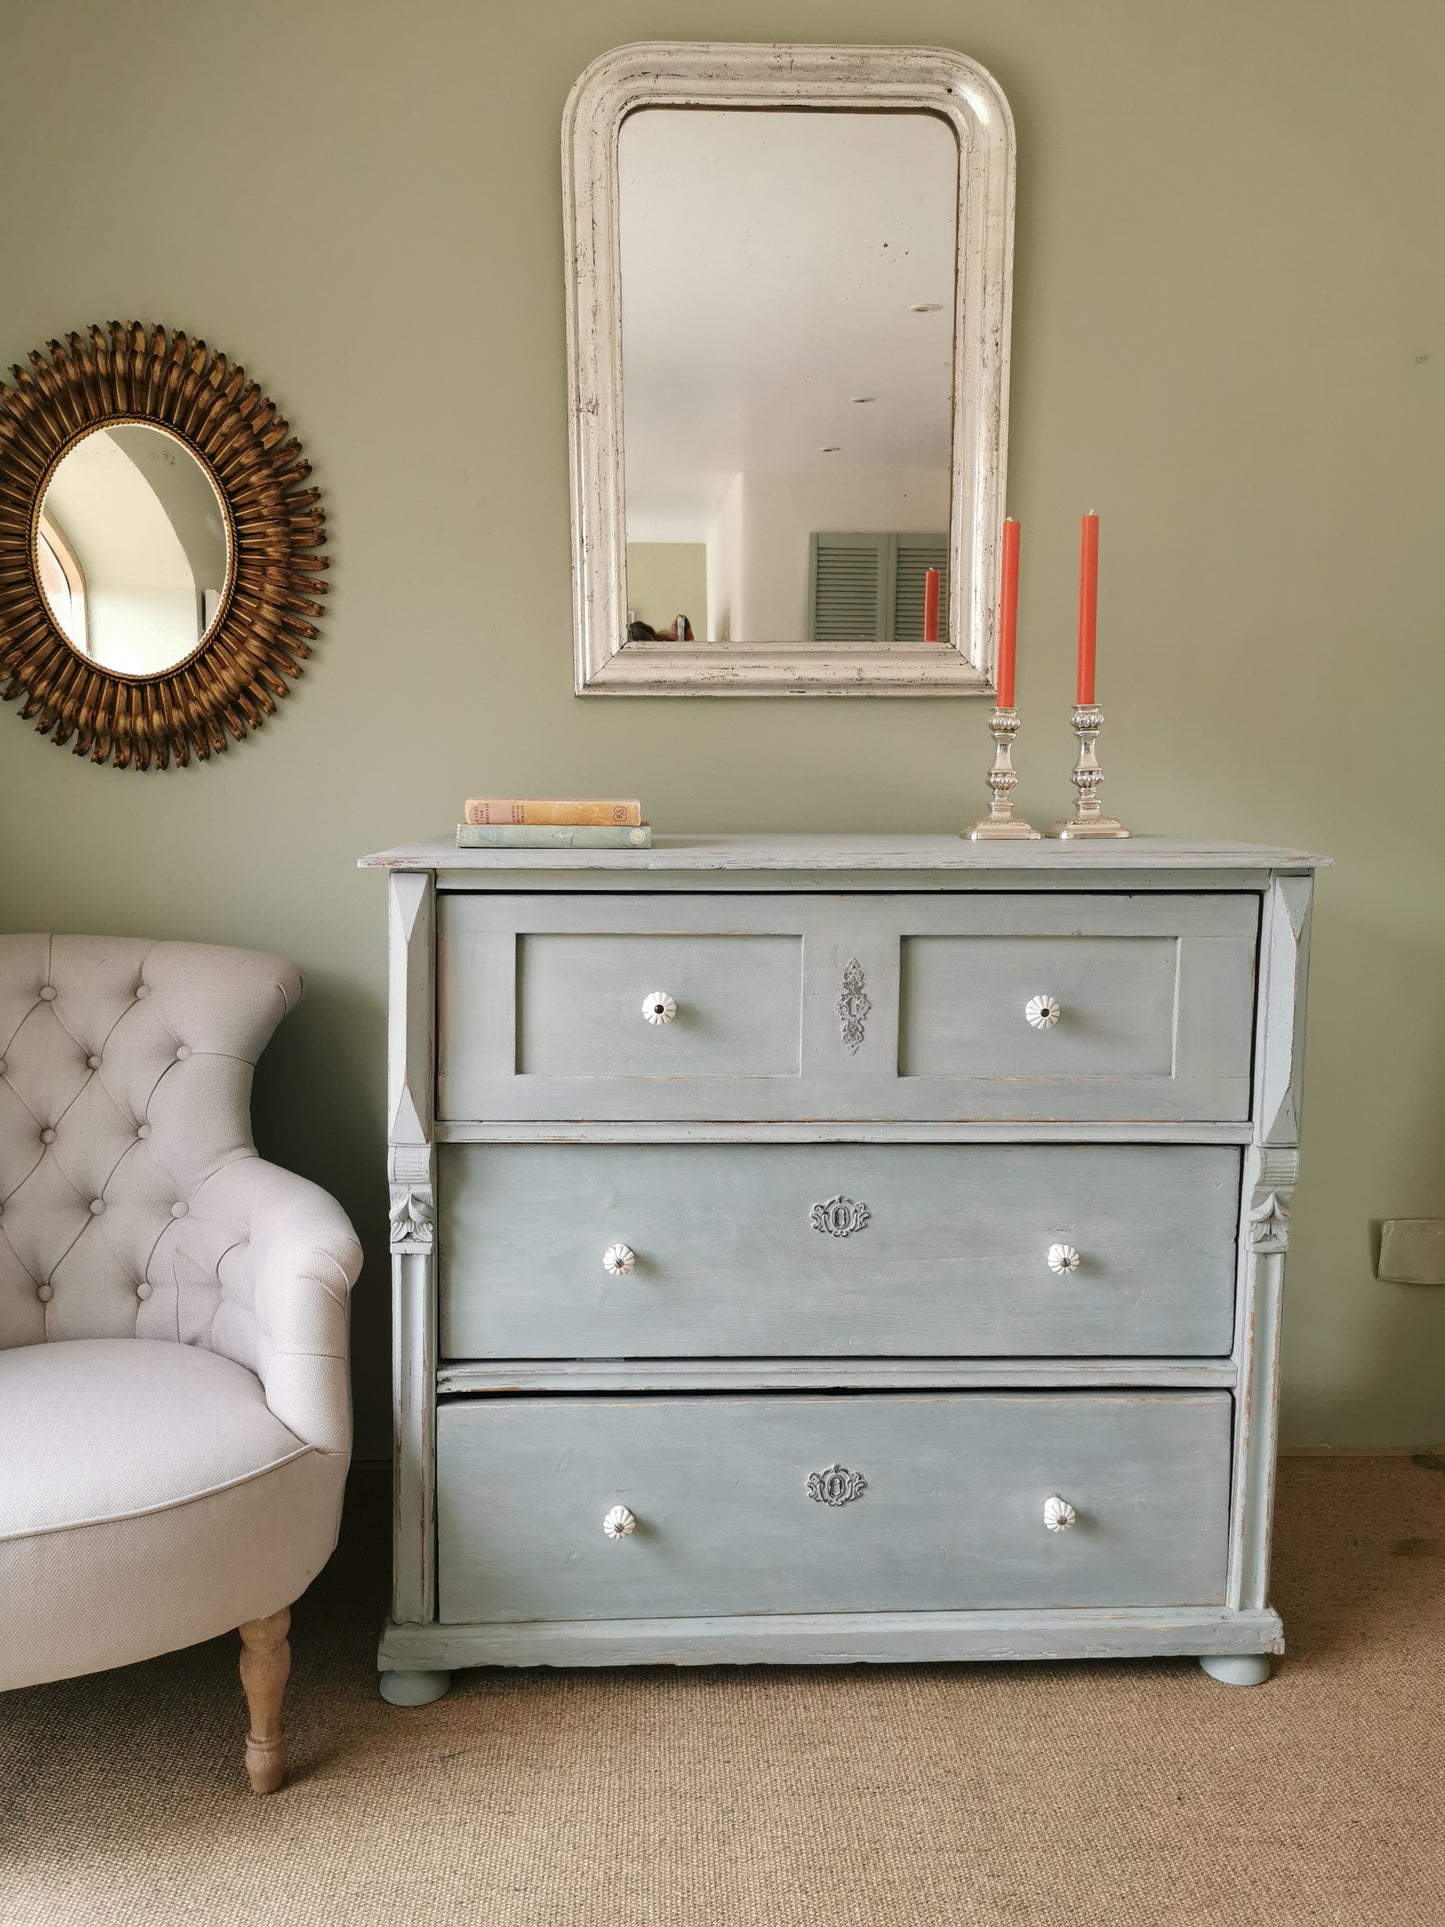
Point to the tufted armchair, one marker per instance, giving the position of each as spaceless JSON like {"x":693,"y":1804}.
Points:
{"x":175,"y":1419}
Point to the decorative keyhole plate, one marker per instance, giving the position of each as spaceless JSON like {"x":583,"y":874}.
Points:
{"x":840,"y":1217}
{"x":853,"y":1005}
{"x":836,"y":1485}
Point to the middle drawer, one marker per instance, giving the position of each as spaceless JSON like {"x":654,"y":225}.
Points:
{"x":827,"y":1250}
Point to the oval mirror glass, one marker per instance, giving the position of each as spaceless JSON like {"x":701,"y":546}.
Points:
{"x":132,"y":549}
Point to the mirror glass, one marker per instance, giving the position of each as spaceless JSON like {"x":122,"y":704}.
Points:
{"x":131,"y":548}
{"x":787,"y":368}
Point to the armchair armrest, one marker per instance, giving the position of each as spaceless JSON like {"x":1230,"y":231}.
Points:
{"x":284,"y":1288}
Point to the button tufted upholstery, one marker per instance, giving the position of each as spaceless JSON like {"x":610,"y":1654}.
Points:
{"x":197,"y":1476}
{"x":89,"y":1066}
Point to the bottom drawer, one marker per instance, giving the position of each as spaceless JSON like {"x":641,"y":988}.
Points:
{"x":833,"y":1503}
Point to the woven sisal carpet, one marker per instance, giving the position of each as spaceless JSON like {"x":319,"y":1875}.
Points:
{"x":1128,"y":1795}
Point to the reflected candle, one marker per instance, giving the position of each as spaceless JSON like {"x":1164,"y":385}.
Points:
{"x":1008,"y":618}
{"x":930,"y":605}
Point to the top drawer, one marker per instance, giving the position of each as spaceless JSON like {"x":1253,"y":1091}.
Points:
{"x":1067,"y":1008}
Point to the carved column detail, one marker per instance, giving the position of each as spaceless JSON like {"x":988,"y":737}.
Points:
{"x":1269,"y":1221}
{"x":1270,"y":1173}
{"x":411,"y":1175}
{"x":1269,"y":1209}
{"x":412,"y":1194}
{"x":413,"y":1226}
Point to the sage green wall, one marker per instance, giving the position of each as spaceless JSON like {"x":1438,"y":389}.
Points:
{"x":1227,"y":339}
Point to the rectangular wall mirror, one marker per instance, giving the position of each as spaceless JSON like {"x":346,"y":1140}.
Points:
{"x":789,"y":276}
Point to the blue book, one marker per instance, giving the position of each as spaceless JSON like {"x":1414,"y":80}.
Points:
{"x":550,"y":836}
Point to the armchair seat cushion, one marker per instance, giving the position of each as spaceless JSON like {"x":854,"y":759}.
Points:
{"x":102,"y":1428}
{"x":149,"y":1498}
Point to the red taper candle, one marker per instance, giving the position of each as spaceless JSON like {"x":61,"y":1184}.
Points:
{"x":1088,"y":605}
{"x":1008,"y":617}
{"x":930,"y":605}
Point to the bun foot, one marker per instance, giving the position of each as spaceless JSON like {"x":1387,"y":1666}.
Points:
{"x":414,"y":1689}
{"x":1237,"y":1669}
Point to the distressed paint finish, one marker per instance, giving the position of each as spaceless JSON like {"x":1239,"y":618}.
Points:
{"x":411,"y":912}
{"x":827,"y":1374}
{"x":949,"y":1512}
{"x":411,"y":1169}
{"x":820,"y":1639}
{"x":814,"y":861}
{"x":838,"y":899}
{"x":731,"y":1006}
{"x":953,"y":1257}
{"x":1284,"y":967}
{"x":864,"y":79}
{"x":541,"y":998}
{"x":701,"y":1130}
{"x":1269,"y":1187}
{"x":1271,"y":1169}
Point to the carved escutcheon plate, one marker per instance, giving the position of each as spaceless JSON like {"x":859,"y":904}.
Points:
{"x":836,"y":1486}
{"x":840,"y":1217}
{"x":853,"y":1004}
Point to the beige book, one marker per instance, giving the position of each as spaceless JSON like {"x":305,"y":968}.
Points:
{"x":547,"y":809}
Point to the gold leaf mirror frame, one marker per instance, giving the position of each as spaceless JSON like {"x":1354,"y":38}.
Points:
{"x":254,"y":648}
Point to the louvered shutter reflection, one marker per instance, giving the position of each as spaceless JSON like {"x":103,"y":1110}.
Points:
{"x":849,"y":581}
{"x":869,"y":588}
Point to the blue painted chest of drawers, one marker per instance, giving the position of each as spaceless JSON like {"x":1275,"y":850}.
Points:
{"x":838,"y":1248}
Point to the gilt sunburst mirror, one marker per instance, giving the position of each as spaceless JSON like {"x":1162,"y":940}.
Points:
{"x":161,"y":552}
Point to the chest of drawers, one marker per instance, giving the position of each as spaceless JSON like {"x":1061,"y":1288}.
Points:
{"x":838,"y":1248}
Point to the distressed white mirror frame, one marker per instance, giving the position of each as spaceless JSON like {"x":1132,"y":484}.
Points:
{"x":865,"y":79}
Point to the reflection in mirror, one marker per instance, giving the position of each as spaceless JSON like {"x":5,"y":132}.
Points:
{"x":131,"y":548}
{"x":787,"y":364}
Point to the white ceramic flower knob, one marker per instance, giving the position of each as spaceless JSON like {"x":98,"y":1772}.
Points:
{"x":658,"y":1007}
{"x":1059,"y":1515}
{"x":619,"y":1523}
{"x":1063,"y":1258}
{"x":1042,"y":1012}
{"x":618,"y":1259}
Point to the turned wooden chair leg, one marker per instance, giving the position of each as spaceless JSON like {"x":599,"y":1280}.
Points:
{"x":265,"y":1666}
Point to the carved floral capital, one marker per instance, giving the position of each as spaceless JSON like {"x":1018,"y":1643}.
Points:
{"x":413,"y":1227}
{"x":1269,"y":1221}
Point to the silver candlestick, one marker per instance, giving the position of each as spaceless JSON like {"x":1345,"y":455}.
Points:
{"x":1000,"y":822}
{"x":1088,"y":819}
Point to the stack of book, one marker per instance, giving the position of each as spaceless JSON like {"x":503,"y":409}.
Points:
{"x":552,"y":823}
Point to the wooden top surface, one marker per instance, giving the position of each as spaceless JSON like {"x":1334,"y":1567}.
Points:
{"x":799,"y":850}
